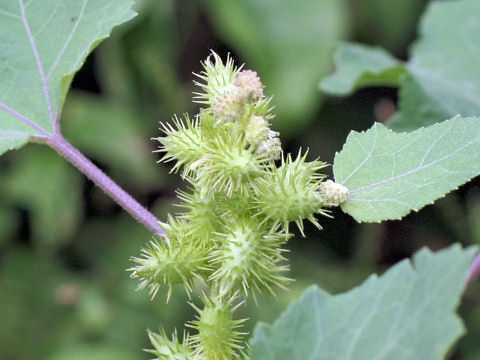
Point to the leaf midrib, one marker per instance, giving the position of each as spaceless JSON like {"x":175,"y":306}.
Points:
{"x":41,"y":72}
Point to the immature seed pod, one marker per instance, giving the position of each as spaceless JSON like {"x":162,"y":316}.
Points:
{"x":263,"y":108}
{"x":229,"y":167}
{"x":217,"y":337}
{"x":183,"y":143}
{"x":201,"y":213}
{"x":232,"y":207}
{"x":166,"y":349}
{"x":290,"y":193}
{"x":248,"y":258}
{"x":216,"y":79}
{"x":178,"y":259}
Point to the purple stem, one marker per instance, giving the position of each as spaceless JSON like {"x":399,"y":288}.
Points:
{"x":63,"y":147}
{"x":142,"y":215}
{"x":474,"y":269}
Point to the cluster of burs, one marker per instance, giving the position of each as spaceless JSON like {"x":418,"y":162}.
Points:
{"x":244,"y":193}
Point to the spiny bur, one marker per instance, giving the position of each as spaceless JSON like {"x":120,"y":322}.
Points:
{"x":290,"y":192}
{"x":176,"y":258}
{"x":217,"y":335}
{"x":249,"y":258}
{"x":235,"y":215}
{"x":182,"y":143}
{"x":166,"y":349}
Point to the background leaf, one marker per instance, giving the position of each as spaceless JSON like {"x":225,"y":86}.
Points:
{"x":29,"y":279}
{"x":390,"y":174}
{"x":387,"y":24}
{"x":95,"y":352}
{"x":43,"y":44}
{"x":362,"y":66}
{"x":443,"y":69}
{"x":50,"y":189}
{"x":406,"y":313}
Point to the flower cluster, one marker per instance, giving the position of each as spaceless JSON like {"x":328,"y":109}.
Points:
{"x":236,"y":216}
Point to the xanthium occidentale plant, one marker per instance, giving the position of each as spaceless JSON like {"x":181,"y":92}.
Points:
{"x":243,"y":194}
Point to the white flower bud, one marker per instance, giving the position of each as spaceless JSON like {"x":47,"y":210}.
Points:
{"x":333,"y":193}
{"x":272,"y":146}
{"x":227,"y":107}
{"x":257,"y":130}
{"x":249,"y":85}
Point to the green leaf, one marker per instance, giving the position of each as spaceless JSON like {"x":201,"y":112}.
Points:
{"x":391,"y":24}
{"x":390,"y":174}
{"x":407,"y":313}
{"x":417,"y":108}
{"x":10,"y":140}
{"x":445,"y":76}
{"x":95,"y":351}
{"x":50,"y":189}
{"x":9,"y":221}
{"x":361,"y":66}
{"x":444,"y":66}
{"x":149,"y":78}
{"x":43,"y":43}
{"x":440,"y":80}
{"x":288,"y":44}
{"x":449,"y":29}
{"x":30,"y":279}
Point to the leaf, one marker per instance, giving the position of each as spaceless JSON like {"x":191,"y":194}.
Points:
{"x":96,"y":351}
{"x":390,"y":174}
{"x":442,"y":75}
{"x":288,"y":44}
{"x":361,"y":66}
{"x":10,"y":140}
{"x":445,"y":66}
{"x":386,"y":23}
{"x":9,"y":221}
{"x":43,"y":43}
{"x":50,"y":189}
{"x":30,"y":279}
{"x":417,"y":108}
{"x":149,"y":78}
{"x":407,"y":313}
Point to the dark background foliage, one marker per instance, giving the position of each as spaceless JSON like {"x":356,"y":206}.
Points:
{"x":64,"y":246}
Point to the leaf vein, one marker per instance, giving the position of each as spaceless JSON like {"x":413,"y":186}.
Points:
{"x":69,"y":38}
{"x":413,"y":171}
{"x":365,"y":160}
{"x":38,"y":61}
{"x":9,"y":14}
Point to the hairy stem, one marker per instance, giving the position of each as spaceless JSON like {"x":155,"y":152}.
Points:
{"x":474,"y":269}
{"x":68,"y":151}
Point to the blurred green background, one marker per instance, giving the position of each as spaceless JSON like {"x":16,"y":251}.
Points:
{"x":64,"y":246}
